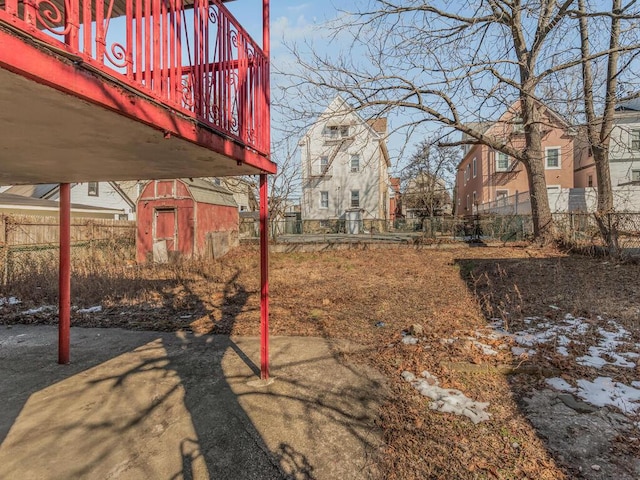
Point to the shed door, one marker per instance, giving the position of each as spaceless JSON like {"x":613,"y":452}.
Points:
{"x":165,"y":228}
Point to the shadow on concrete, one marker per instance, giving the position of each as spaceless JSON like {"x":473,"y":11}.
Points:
{"x":178,"y":406}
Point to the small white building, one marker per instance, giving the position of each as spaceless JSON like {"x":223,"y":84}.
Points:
{"x":345,"y":166}
{"x":105,"y":195}
{"x":624,"y":146}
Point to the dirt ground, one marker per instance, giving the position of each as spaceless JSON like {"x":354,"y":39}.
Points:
{"x":373,"y":297}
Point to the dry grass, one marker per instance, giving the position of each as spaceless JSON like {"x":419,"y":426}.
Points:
{"x":344,"y":295}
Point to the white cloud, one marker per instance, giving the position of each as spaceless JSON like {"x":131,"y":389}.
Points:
{"x":298,"y":8}
{"x":284,"y":30}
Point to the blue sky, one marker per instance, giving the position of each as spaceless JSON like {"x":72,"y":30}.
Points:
{"x":290,"y":20}
{"x":294,"y":22}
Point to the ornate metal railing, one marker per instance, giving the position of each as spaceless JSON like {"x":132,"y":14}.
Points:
{"x":191,"y":55}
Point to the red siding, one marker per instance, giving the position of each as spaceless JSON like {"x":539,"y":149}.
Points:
{"x":214,"y":218}
{"x":174,"y":203}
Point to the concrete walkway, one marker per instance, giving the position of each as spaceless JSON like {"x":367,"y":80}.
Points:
{"x":149,"y":405}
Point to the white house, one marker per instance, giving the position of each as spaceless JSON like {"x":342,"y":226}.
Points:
{"x":107,"y":195}
{"x":345,"y":166}
{"x":624,"y":146}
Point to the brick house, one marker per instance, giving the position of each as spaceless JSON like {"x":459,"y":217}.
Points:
{"x":487,"y":177}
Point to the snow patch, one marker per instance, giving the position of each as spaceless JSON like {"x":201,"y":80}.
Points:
{"x":560,"y":384}
{"x":44,"y":308}
{"x":603,"y":391}
{"x":612,"y":348}
{"x":410,"y":340}
{"x":9,"y":301}
{"x":447,"y":400}
{"x":96,"y":309}
{"x":486,"y":349}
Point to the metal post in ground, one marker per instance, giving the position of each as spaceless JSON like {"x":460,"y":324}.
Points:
{"x":64,"y":280}
{"x":264,"y":279}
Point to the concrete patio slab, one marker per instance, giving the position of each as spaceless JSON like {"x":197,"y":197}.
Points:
{"x":136,"y":405}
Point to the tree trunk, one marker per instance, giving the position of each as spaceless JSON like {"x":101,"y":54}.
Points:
{"x":598,"y":131}
{"x":607,"y":222}
{"x":543,"y":228}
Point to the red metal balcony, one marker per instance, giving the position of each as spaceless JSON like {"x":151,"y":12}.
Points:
{"x":192,"y":84}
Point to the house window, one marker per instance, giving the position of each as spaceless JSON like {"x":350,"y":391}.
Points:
{"x":475,"y":167}
{"x":502,"y":162}
{"x":355,"y":198}
{"x":475,"y":198}
{"x":635,"y":175}
{"x":552,"y":157}
{"x":635,"y":139}
{"x":92,"y":189}
{"x":337,"y":131}
{"x":468,"y":205}
{"x":590,"y":181}
{"x":324,"y":199}
{"x":518,"y":125}
{"x":324,"y":164}
{"x":501,"y":197}
{"x":355,"y":163}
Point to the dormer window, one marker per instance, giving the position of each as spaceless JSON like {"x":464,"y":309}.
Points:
{"x":338,"y":131}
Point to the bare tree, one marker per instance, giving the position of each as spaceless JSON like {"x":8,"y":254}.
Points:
{"x":599,"y":129}
{"x":427,"y":179}
{"x":457,"y":65}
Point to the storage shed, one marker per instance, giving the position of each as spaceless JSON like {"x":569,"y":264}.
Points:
{"x":185,"y":218}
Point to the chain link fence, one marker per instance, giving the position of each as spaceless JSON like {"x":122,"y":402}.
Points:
{"x":578,"y":229}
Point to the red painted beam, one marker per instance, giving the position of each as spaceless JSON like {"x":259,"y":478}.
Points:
{"x":48,"y":69}
{"x":64,"y":307}
{"x":266,"y":48}
{"x":264,"y":279}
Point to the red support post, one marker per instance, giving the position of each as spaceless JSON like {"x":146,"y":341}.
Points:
{"x":264,"y":278}
{"x":64,"y":315}
{"x":266,"y":48}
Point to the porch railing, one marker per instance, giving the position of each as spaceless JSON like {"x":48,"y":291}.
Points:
{"x":191,"y":55}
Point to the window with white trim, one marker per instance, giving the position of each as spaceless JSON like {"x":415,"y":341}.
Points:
{"x":501,"y":197}
{"x":475,"y":198}
{"x":337,"y":131}
{"x":502,"y":162}
{"x":324,"y":199}
{"x":355,"y":163}
{"x":635,"y":139}
{"x":552,"y":157}
{"x":355,"y":198}
{"x":475,"y":167}
{"x":635,"y":175}
{"x":92,"y":189}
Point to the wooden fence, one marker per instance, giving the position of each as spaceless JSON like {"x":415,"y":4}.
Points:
{"x":23,"y":230}
{"x":29,"y":244}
